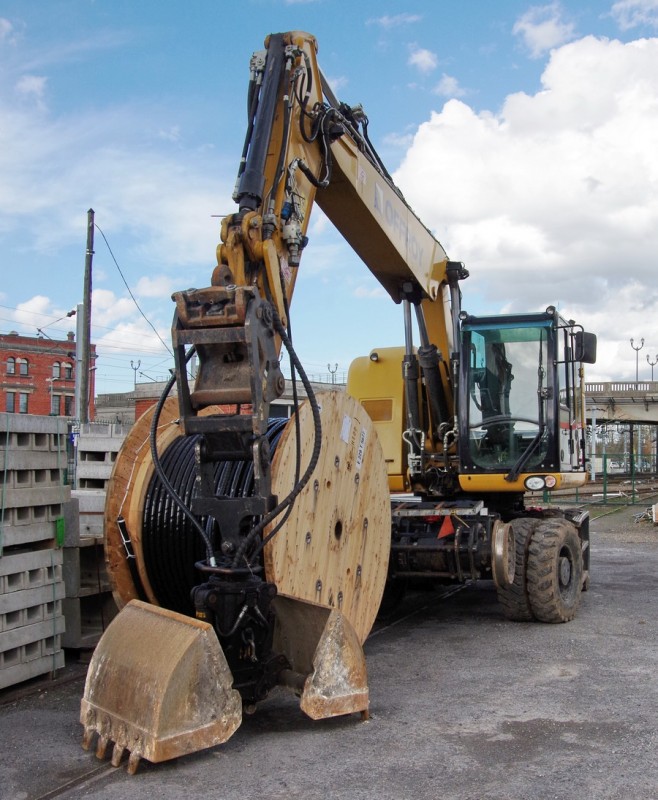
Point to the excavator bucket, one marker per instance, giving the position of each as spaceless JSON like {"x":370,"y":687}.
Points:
{"x":158,"y":686}
{"x":327,"y":662}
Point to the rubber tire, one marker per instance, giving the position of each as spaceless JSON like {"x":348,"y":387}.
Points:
{"x":552,"y":541}
{"x":514,"y":598}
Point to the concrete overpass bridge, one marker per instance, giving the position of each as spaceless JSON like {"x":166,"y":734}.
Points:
{"x":622,"y":401}
{"x":630,"y":409}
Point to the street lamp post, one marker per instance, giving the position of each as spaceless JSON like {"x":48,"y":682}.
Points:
{"x":637,"y":357}
{"x":652,"y":364}
{"x":135,"y":368}
{"x":51,"y":394}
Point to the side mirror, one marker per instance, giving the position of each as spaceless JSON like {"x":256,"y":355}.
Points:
{"x":585,"y":347}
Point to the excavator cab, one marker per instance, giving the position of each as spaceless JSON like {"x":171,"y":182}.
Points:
{"x":521,"y":397}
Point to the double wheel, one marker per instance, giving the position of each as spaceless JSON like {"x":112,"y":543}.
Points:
{"x":549,"y":571}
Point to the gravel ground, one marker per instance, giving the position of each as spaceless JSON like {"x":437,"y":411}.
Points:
{"x":617,"y":523}
{"x":464,"y":705}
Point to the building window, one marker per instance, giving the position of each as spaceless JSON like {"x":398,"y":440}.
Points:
{"x":22,"y":366}
{"x":22,"y":402}
{"x":54,"y":404}
{"x":68,"y":371}
{"x":11,"y":366}
{"x":68,"y":405}
{"x":57,"y":370}
{"x":11,"y":402}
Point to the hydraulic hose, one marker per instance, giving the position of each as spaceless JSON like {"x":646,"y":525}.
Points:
{"x":162,"y":474}
{"x":258,"y":529}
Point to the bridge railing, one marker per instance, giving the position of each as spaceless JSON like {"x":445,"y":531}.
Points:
{"x":611,"y":388}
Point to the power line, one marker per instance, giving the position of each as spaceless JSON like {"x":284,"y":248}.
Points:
{"x":138,"y":345}
{"x":130,"y":291}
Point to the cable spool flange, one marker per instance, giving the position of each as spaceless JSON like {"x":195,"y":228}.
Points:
{"x":332,"y":550}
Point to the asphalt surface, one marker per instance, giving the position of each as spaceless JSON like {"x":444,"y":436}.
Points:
{"x":464,"y":705}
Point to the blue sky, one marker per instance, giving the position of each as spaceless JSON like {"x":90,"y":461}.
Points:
{"x":523,"y":134}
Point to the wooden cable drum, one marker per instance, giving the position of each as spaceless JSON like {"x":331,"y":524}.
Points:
{"x":334,"y":547}
{"x":332,"y":550}
{"x":125,"y":499}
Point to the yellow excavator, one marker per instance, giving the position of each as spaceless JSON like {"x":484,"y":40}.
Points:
{"x":248,"y":553}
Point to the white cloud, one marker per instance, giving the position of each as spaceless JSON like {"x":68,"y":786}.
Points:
{"x":449,"y":86}
{"x":401,"y":140}
{"x":422,"y":59}
{"x":371,"y":292}
{"x":631,"y":13}
{"x":555,"y":199}
{"x":107,"y":308}
{"x":32,"y":87}
{"x":542,"y":28}
{"x":36,"y":312}
{"x":170,"y":134}
{"x":395,"y":21}
{"x":163,"y":201}
{"x":158,"y":286}
{"x":6,"y":30}
{"x":337,"y":82}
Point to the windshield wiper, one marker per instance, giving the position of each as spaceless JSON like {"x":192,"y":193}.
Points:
{"x":522,"y":460}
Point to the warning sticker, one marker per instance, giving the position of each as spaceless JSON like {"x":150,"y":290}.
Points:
{"x":362,"y":448}
{"x":345,"y":430}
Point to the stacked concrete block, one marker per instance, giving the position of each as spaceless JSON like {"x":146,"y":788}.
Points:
{"x":91,"y":504}
{"x":97,"y":448}
{"x":88,"y":604}
{"x":33,"y":468}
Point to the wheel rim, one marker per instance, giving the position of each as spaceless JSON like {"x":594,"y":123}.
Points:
{"x":564,"y":570}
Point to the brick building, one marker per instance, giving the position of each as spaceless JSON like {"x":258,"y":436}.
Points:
{"x":37,"y":375}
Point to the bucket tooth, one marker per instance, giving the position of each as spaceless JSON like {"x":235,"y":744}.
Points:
{"x":321,"y":644}
{"x":133,"y":763}
{"x":101,"y":747}
{"x":117,"y":754}
{"x":159,"y":686}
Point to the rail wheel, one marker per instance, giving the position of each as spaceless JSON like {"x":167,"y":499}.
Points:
{"x":513,"y":597}
{"x":555,"y":571}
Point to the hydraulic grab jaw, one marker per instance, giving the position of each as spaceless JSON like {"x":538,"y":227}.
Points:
{"x":231,"y":329}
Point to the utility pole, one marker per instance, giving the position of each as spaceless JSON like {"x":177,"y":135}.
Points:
{"x":79,"y":336}
{"x":85,"y":344}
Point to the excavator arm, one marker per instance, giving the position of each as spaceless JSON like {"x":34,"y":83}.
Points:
{"x":303,"y":146}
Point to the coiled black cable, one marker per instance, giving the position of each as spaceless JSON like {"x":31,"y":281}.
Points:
{"x":170,"y":542}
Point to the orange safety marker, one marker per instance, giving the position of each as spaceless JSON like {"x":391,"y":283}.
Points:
{"x":447,"y":528}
